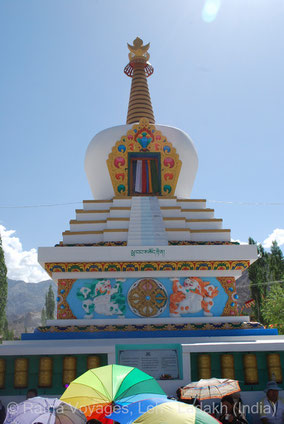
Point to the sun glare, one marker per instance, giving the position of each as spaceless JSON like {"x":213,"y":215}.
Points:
{"x":210,"y":10}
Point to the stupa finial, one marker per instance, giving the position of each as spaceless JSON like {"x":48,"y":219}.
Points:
{"x":139,"y":69}
{"x":138,"y":51}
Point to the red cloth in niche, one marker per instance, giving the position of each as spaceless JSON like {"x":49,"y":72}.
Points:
{"x":144,"y":177}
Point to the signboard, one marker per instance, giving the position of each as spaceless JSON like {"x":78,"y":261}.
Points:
{"x":162,"y":364}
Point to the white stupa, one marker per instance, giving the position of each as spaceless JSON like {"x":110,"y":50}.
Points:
{"x":144,"y":270}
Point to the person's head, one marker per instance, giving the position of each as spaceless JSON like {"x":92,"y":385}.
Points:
{"x":272,"y":391}
{"x":93,"y":421}
{"x":272,"y":395}
{"x":31,"y":393}
{"x":178,"y":393}
{"x":237,"y":397}
{"x":227,"y":404}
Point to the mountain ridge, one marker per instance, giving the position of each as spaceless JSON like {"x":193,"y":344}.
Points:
{"x":24,"y":304}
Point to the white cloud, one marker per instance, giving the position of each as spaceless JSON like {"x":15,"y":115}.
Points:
{"x":21,"y":264}
{"x":239,"y":241}
{"x":278,"y":235}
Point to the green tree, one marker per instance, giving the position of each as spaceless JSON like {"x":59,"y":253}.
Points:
{"x":5,"y":330}
{"x":3,"y":287}
{"x":259,"y":275}
{"x":49,"y":303}
{"x":7,"y":334}
{"x":263,"y":275}
{"x":43,"y":317}
{"x":273,"y":307}
{"x":276,"y":262}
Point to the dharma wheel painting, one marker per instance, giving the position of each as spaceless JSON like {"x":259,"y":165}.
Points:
{"x":147,"y":298}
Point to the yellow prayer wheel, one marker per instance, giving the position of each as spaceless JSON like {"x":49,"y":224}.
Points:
{"x":69,"y":369}
{"x":204,"y":366}
{"x":93,"y":361}
{"x":274,"y":367}
{"x":250,"y":368}
{"x":21,"y":366}
{"x":45,"y":372}
{"x":250,"y":360}
{"x":228,"y":366}
{"x":2,"y":373}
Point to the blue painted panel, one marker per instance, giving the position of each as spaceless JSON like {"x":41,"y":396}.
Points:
{"x":113,"y":298}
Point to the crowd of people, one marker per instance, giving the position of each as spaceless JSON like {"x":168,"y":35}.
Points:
{"x":231,"y":409}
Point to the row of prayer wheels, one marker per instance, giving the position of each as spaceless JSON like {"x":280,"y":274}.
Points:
{"x":249,"y":365}
{"x":45,"y":372}
{"x":69,"y":370}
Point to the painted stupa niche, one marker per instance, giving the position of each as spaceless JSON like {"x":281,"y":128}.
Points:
{"x":144,"y":162}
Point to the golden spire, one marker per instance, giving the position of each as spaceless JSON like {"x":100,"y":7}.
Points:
{"x":139,"y":69}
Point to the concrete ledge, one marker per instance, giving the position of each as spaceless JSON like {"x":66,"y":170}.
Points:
{"x":171,"y":253}
{"x":172,"y":320}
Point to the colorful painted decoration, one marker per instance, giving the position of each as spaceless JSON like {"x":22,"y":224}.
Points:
{"x":121,"y":188}
{"x":121,"y":148}
{"x":147,"y":297}
{"x":119,"y":162}
{"x":144,"y":140}
{"x":193,"y":296}
{"x":100,"y":297}
{"x":144,"y":158}
{"x":169,"y":176}
{"x":144,"y":327}
{"x":51,"y":267}
{"x":169,"y":162}
{"x":119,"y":177}
{"x":167,"y":188}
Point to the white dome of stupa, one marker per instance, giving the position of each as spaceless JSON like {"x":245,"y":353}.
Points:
{"x":101,"y":146}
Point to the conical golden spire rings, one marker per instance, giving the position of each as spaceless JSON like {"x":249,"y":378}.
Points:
{"x":139,"y":69}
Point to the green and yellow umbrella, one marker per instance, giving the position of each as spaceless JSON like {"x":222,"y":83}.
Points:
{"x":175,"y":412}
{"x":99,"y":390}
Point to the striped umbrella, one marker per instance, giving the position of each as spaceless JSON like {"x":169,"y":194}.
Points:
{"x":44,"y":411}
{"x":99,"y":391}
{"x":210,"y":388}
{"x":168,"y":413}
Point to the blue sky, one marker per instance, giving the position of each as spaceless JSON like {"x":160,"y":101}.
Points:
{"x":218,"y":76}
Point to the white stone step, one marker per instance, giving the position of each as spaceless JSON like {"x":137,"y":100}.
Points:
{"x":146,"y":226}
